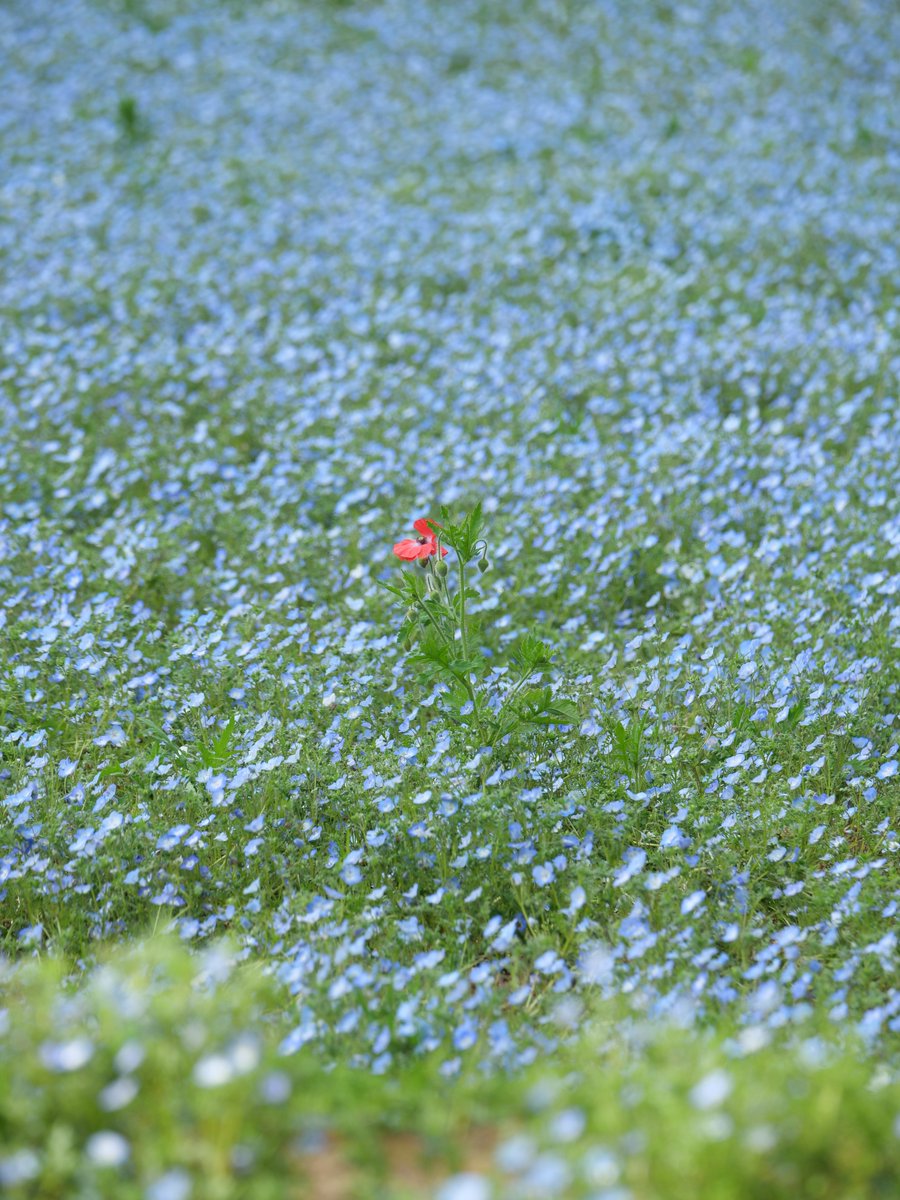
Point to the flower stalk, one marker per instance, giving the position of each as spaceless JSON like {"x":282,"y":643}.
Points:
{"x":438,"y":630}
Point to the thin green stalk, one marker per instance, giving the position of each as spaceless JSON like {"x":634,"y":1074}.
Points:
{"x":463,"y":679}
{"x":502,"y":730}
{"x":432,"y":622}
{"x":464,"y":637}
{"x":464,"y":633}
{"x":518,"y":687}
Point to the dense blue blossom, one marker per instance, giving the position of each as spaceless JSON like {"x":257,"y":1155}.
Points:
{"x":627,"y":281}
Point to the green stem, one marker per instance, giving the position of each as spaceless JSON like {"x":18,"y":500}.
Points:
{"x":464,"y":637}
{"x":463,"y":679}
{"x":518,"y":687}
{"x":503,"y":730}
{"x":433,"y":623}
{"x":464,"y":633}
{"x":445,"y":592}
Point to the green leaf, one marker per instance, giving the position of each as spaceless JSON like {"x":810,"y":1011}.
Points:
{"x":539,"y":707}
{"x":390,"y":587}
{"x":565,"y":712}
{"x":466,"y":666}
{"x":531,"y":654}
{"x":462,"y":536}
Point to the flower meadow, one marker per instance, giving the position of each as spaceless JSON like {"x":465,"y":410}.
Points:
{"x":449,"y":618}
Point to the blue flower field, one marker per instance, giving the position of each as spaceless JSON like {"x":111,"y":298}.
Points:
{"x":565,"y":866}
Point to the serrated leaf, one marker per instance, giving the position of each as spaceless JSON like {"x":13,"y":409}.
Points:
{"x":465,"y":665}
{"x":390,"y":587}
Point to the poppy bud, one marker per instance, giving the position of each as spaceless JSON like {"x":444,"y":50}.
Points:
{"x":407,"y":645}
{"x":410,"y":614}
{"x":440,"y":568}
{"x":483,"y":565}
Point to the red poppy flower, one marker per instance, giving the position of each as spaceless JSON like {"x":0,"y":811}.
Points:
{"x":419,"y":547}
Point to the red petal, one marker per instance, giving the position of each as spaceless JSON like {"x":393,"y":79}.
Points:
{"x":407,"y":549}
{"x":423,"y":526}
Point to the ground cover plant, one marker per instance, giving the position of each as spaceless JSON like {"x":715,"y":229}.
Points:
{"x":561,"y":863}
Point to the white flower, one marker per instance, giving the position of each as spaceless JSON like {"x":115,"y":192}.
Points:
{"x":467,"y":1186}
{"x":107,"y":1149}
{"x":712,"y":1090}
{"x":174,"y":1185}
{"x":213,"y":1071}
{"x":67,"y":1056}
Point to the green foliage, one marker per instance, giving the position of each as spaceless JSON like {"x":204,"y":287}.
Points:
{"x":437,"y":621}
{"x":463,"y":537}
{"x":628,"y":742}
{"x":219,"y":751}
{"x":131,"y":121}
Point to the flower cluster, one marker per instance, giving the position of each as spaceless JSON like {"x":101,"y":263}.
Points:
{"x":282,"y":276}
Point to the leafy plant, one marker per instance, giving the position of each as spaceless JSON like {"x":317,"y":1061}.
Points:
{"x":439,"y":632}
{"x":628,"y":745}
